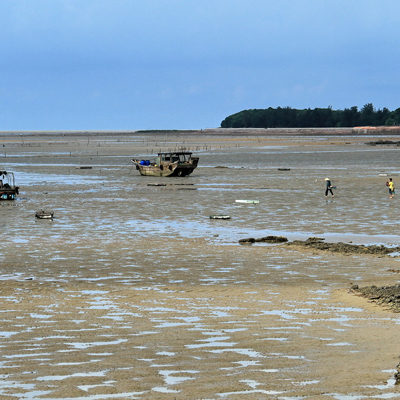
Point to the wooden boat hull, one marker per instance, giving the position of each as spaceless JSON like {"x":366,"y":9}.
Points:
{"x":168,"y":164}
{"x":170,"y":170}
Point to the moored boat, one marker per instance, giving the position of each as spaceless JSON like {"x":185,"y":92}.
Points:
{"x":179,"y":163}
{"x":44,"y":214}
{"x":8,"y":190}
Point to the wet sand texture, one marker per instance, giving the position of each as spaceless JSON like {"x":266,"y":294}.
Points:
{"x":133,"y":292}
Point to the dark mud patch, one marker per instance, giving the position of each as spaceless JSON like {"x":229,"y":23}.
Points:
{"x":317,"y":243}
{"x":345,"y":248}
{"x":265,"y":239}
{"x":384,"y":142}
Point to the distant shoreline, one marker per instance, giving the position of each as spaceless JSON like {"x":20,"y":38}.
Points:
{"x":357,"y":131}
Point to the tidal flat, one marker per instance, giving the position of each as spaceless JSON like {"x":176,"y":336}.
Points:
{"x":133,"y":292}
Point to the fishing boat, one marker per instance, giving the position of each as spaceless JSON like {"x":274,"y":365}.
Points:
{"x":8,"y":190}
{"x":179,"y":163}
{"x":44,"y":214}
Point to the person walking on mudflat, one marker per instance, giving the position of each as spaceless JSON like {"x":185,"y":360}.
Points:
{"x":328,"y":187}
{"x":390,"y":185}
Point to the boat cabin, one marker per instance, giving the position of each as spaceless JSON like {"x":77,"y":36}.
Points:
{"x":180,"y":157}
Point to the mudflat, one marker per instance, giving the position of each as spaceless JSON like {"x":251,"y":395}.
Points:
{"x":133,"y":292}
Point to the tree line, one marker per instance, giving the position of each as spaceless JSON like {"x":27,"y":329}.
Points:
{"x":287,"y":117}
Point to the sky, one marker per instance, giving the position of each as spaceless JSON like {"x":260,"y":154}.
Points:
{"x":188,"y":64}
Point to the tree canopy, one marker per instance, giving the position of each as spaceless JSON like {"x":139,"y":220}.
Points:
{"x":287,"y":117}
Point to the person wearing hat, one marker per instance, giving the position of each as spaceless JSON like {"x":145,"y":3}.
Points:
{"x":328,"y":187}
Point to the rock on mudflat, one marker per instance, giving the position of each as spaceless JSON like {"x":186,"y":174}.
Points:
{"x":397,"y":375}
{"x":247,"y":241}
{"x":265,"y":239}
{"x":386,"y":296}
{"x":319,"y":244}
{"x":272,"y":239}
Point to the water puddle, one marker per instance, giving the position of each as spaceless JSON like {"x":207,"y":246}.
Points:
{"x":62,"y":377}
{"x":93,"y":344}
{"x":246,"y":352}
{"x":250,"y":392}
{"x":170,"y":377}
{"x":7,"y":334}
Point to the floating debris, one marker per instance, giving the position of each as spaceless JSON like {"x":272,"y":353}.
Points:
{"x":248,"y":201}
{"x":220,"y":216}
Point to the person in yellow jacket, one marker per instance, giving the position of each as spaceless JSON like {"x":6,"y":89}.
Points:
{"x":390,"y":185}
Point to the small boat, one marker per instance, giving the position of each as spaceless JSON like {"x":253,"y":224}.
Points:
{"x":179,"y":163}
{"x":8,"y":190}
{"x":44,"y":214}
{"x":248,"y":201}
{"x":220,"y":216}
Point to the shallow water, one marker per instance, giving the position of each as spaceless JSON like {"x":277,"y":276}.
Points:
{"x":288,"y":200}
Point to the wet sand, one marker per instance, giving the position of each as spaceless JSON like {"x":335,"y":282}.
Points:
{"x":133,"y":292}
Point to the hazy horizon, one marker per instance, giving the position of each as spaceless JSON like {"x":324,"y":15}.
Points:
{"x":135,"y":65}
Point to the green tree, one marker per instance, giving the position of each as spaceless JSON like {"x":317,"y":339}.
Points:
{"x":287,"y":117}
{"x":367,"y":116}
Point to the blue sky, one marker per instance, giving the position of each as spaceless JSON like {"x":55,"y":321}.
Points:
{"x":188,"y":64}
